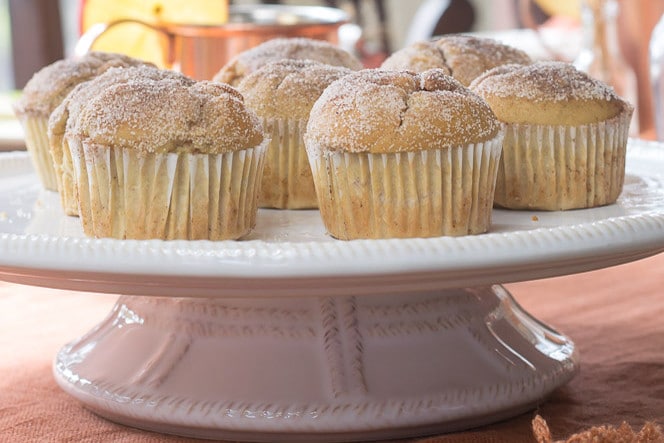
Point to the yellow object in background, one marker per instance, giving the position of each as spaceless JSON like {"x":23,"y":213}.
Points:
{"x":139,"y":41}
{"x":567,"y":8}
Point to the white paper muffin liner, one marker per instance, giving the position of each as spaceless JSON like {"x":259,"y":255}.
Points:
{"x":64,"y":173}
{"x":287,"y":181}
{"x":407,"y":194}
{"x":124,"y":194}
{"x":563,"y":167}
{"x":36,"y":143}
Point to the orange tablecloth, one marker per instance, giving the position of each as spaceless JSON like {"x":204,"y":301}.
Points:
{"x":615,"y":316}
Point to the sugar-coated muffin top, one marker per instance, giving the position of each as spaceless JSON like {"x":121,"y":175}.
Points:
{"x":50,"y":85}
{"x":288,"y":88}
{"x":284,"y":48}
{"x":382,"y":111}
{"x":166,"y":112}
{"x":67,"y":112}
{"x":547,"y":93}
{"x":463,"y":56}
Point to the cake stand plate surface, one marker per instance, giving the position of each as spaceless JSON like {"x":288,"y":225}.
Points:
{"x":292,"y":335}
{"x":289,"y":253}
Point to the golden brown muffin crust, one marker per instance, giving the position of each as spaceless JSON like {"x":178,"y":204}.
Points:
{"x":50,"y":85}
{"x":284,"y":48}
{"x":68,"y":110}
{"x":288,"y":88}
{"x":463,"y":56}
{"x":381,"y":111}
{"x":418,"y":57}
{"x":168,"y":115}
{"x":549,"y":93}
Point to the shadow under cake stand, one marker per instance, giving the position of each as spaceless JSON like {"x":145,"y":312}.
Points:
{"x":290,"y":335}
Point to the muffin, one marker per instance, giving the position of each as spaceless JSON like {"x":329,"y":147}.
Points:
{"x":67,"y":112}
{"x":284,"y":48}
{"x":44,"y":92}
{"x":167,"y":158}
{"x":462,"y":56}
{"x":282,"y":94}
{"x":566,"y":136}
{"x":400,"y":154}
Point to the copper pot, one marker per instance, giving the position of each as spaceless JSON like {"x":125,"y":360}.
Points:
{"x":199,"y":51}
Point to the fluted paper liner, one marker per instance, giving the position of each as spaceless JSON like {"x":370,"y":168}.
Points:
{"x":125,"y":194}
{"x":407,"y":194}
{"x":36,"y":143}
{"x":287,"y":181}
{"x":64,"y":174}
{"x":563,"y":167}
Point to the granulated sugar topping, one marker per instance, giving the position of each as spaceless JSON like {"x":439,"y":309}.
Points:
{"x":418,"y":57}
{"x":463,"y":56}
{"x":66,"y":114}
{"x":288,"y":88}
{"x":168,"y":114}
{"x":49,"y":86}
{"x":548,"y":93}
{"x":391,"y":111}
{"x":285,"y":48}
{"x":543,"y":81}
{"x":468,"y":56}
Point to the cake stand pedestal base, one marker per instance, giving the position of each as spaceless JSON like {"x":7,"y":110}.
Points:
{"x":326,"y":368}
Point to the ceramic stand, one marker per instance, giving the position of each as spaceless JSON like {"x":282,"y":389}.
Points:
{"x":319,"y":368}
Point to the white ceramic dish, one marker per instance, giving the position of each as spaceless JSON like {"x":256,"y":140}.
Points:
{"x":291,"y":335}
{"x":290,"y":254}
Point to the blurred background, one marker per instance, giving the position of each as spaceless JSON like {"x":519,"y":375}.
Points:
{"x":384,"y":23}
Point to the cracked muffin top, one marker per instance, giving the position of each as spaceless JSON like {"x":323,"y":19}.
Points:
{"x":165,"y":112}
{"x":464,"y":57}
{"x":380,"y":111}
{"x":288,"y":88}
{"x":66,"y":113}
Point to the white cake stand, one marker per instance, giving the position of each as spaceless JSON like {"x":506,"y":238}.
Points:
{"x":291,"y":335}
